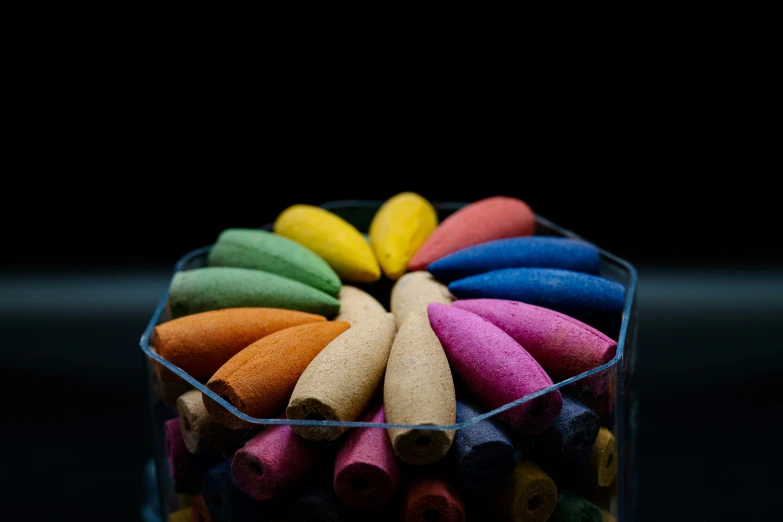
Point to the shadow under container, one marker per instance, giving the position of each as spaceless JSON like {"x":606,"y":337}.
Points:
{"x":617,"y":407}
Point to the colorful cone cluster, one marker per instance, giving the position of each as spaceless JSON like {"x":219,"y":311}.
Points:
{"x":253,"y":325}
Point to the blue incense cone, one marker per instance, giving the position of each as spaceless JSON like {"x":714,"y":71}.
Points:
{"x":481,"y":453}
{"x":570,"y":438}
{"x":518,"y":252}
{"x":317,"y":502}
{"x":588,"y":298}
{"x":226,"y":503}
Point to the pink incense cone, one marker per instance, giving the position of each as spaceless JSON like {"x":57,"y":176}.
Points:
{"x":563,"y":346}
{"x":495,"y":368}
{"x":272,"y":462}
{"x":432,"y":498}
{"x":185,"y":468}
{"x":486,"y":220}
{"x":366,"y":470}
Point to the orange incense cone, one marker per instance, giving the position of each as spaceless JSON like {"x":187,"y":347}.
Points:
{"x":202,"y":343}
{"x":259,"y":380}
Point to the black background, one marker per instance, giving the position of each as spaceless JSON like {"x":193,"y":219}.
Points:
{"x":90,"y":267}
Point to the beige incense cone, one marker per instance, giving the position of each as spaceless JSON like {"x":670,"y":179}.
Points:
{"x":413,"y":292}
{"x":340,"y":382}
{"x":357,"y":305}
{"x":200,"y":430}
{"x":419,"y":390}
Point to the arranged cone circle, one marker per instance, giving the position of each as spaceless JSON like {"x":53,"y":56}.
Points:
{"x":520,"y":313}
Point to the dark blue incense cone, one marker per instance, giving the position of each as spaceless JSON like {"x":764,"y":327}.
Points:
{"x":316,"y":501}
{"x":518,"y":252}
{"x":481,"y":454}
{"x":588,"y":298}
{"x":573,"y":508}
{"x":602,"y":405}
{"x":571,"y":437}
{"x":226,"y":503}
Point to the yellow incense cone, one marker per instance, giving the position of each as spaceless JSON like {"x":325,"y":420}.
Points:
{"x":399,"y":228}
{"x":331,"y":237}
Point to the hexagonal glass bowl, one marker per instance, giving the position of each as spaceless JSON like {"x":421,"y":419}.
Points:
{"x":617,"y":409}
